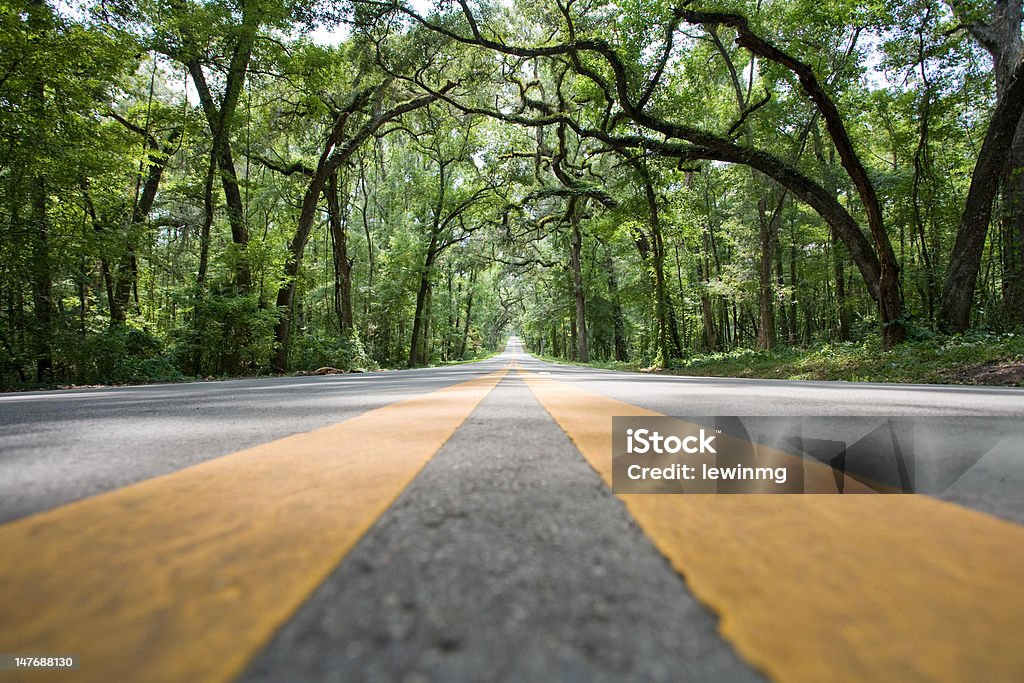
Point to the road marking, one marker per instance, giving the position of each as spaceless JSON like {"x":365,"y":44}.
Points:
{"x":830,"y":588}
{"x":184,"y":577}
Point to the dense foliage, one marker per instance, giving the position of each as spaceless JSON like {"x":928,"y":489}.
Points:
{"x":215,"y":187}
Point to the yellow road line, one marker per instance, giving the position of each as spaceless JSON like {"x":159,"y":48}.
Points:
{"x":831,"y":588}
{"x":185,"y":576}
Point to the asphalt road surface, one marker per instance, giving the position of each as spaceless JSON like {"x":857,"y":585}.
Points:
{"x":457,"y":524}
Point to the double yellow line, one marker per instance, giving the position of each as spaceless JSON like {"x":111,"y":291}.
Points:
{"x":185,"y":577}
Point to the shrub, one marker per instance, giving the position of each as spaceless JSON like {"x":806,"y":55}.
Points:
{"x":226,"y":335}
{"x":117,"y":354}
{"x":312,"y":351}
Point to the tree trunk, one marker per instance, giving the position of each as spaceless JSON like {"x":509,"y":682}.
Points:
{"x":842,"y":306}
{"x":196,"y":358}
{"x":218,"y":118}
{"x":965,"y":259}
{"x":469,"y":313}
{"x":769,"y":226}
{"x":419,"y":323}
{"x":618,"y":320}
{"x":428,"y":318}
{"x":794,"y":330}
{"x":1012,"y":238}
{"x":922,"y":170}
{"x":579,"y":295}
{"x":448,"y":337}
{"x":342,"y":263}
{"x":655,"y":248}
{"x":125,"y":277}
{"x":573,"y":346}
{"x":707,"y":312}
{"x":296,"y":248}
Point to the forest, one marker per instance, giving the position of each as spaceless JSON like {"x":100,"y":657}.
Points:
{"x":208,"y":188}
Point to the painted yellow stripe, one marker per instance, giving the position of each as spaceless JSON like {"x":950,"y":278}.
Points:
{"x":184,"y":577}
{"x":831,"y":588}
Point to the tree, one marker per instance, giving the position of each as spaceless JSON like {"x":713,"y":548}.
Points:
{"x":997,"y":28}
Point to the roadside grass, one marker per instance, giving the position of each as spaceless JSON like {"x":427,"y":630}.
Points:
{"x":174,"y":376}
{"x":974,"y":358}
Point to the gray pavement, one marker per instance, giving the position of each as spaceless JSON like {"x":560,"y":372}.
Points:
{"x":507,"y":558}
{"x":60,"y":446}
{"x":675,"y":395}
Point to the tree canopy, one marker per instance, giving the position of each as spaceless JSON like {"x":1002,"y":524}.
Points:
{"x":223,"y":187}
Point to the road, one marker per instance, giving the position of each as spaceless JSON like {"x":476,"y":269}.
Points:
{"x":457,"y":524}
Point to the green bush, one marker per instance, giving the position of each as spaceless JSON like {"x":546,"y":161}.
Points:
{"x":226,"y":335}
{"x":312,"y":351}
{"x":116,"y":354}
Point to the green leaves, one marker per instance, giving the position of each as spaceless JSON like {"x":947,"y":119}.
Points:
{"x":471,"y":206}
